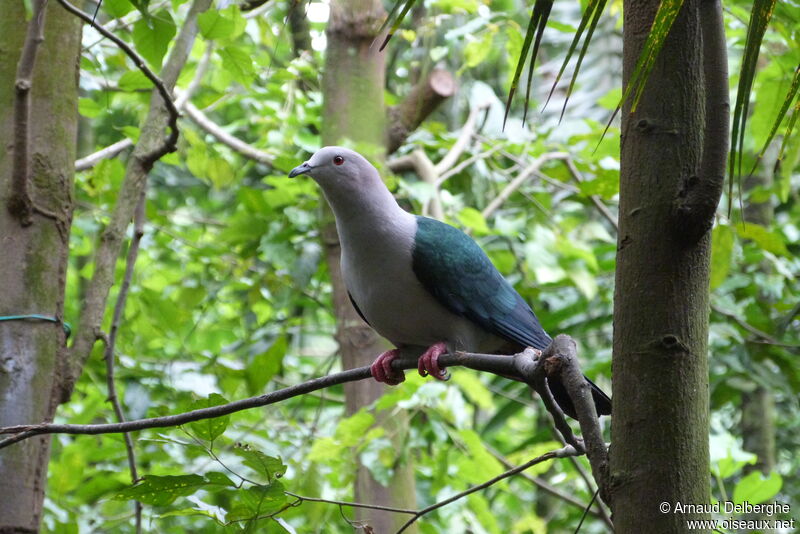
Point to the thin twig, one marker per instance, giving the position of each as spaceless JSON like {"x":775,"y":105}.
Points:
{"x":521,"y":178}
{"x":105,"y":153}
{"x":353,"y":504}
{"x":767,"y":338}
{"x":560,"y":453}
{"x":20,"y":203}
{"x":170,"y":143}
{"x":552,"y":490}
{"x":449,"y":159}
{"x":596,"y":200}
{"x":119,"y":307}
{"x":225,"y":138}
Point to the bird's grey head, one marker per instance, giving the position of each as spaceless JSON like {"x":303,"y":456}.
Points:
{"x":350,"y":183}
{"x":333,"y":166}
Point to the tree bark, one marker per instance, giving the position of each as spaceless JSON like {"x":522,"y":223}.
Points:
{"x":353,"y":84}
{"x":33,"y":262}
{"x":672,"y":163}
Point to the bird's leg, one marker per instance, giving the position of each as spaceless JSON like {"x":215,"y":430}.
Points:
{"x":382,"y":370}
{"x":429,"y":362}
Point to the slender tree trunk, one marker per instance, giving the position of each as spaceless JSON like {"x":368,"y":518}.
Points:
{"x":353,"y":85}
{"x":33,"y":259}
{"x":672,"y":166}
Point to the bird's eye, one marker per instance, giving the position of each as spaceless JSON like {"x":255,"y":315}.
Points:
{"x":338,"y":160}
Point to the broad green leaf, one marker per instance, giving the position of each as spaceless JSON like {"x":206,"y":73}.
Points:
{"x":162,"y":490}
{"x":721,"y":253}
{"x":133,"y":80}
{"x":764,"y":238}
{"x":117,"y":8}
{"x":89,"y":108}
{"x":220,"y":172}
{"x":755,"y":488}
{"x":474,"y":389}
{"x":239,"y":63}
{"x":210,"y":429}
{"x":257,"y":501}
{"x":472,"y":219}
{"x":152,"y":36}
{"x":263,"y":366}
{"x":225,"y":24}
{"x":267,"y":466}
{"x":478,"y":50}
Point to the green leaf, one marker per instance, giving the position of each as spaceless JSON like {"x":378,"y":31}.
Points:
{"x":117,"y":8}
{"x":472,"y":219}
{"x":755,"y":488}
{"x":210,"y":429}
{"x":721,"y":253}
{"x":662,"y":23}
{"x":152,"y":36}
{"x":539,"y":15}
{"x":239,"y":63}
{"x":759,"y":18}
{"x":162,"y":490}
{"x":767,"y":240}
{"x":225,"y":24}
{"x":478,"y":50}
{"x":268,"y":467}
{"x":220,"y":172}
{"x":89,"y":108}
{"x":257,"y":501}
{"x":134,"y":80}
{"x":474,"y":389}
{"x":265,"y":365}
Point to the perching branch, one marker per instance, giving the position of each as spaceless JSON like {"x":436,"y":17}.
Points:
{"x":20,"y":203}
{"x":698,"y":198}
{"x":502,"y":365}
{"x":560,"y":453}
{"x":170,"y":144}
{"x":133,"y":252}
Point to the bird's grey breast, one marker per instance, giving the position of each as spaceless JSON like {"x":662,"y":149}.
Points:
{"x":378,"y":272}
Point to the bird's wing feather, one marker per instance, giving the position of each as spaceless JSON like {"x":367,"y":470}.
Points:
{"x":457,"y":272}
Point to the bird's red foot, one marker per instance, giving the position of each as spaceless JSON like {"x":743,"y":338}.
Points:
{"x":429,"y":362}
{"x":382,"y":370}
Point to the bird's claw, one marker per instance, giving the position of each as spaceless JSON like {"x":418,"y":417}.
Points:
{"x":429,"y":362}
{"x":382,"y":371}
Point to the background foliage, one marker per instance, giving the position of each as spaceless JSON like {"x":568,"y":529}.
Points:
{"x":230,"y":297}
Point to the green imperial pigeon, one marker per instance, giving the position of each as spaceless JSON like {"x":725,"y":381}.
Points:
{"x":420,"y":282}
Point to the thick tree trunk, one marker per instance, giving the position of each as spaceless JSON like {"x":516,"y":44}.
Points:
{"x":33,"y":261}
{"x":673,"y":153}
{"x":353,"y":85}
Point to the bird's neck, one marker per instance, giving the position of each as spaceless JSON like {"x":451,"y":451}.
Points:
{"x":368,"y":213}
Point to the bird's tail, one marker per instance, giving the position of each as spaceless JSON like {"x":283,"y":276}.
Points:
{"x":602,"y":402}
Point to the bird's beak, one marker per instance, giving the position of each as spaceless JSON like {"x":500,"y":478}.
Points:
{"x":302,"y":169}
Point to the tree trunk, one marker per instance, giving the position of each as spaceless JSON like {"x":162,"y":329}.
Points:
{"x":672,"y":166}
{"x":34,"y":258}
{"x":353,"y":85}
